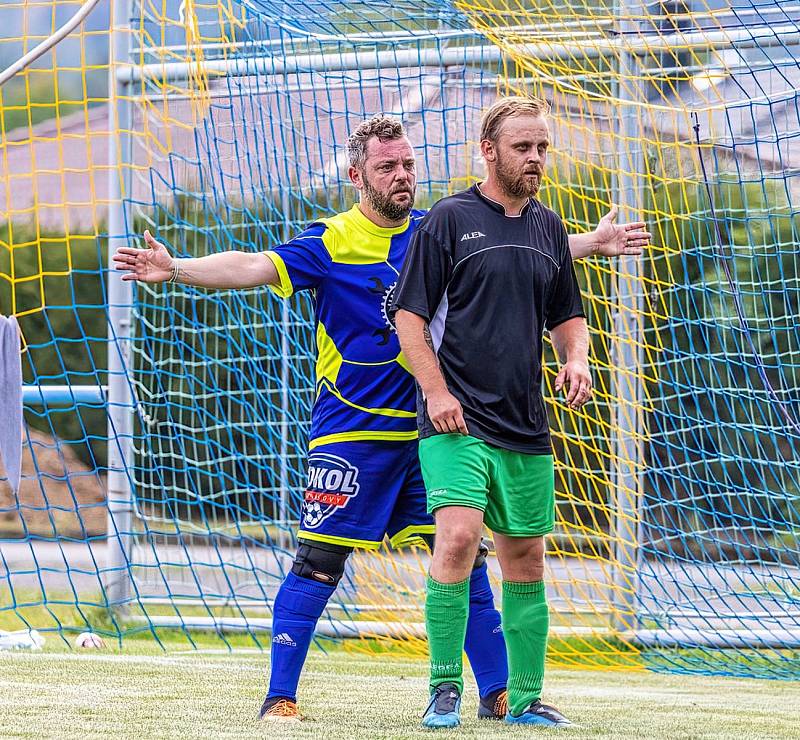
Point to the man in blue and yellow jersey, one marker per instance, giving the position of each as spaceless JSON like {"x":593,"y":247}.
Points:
{"x":364,"y":479}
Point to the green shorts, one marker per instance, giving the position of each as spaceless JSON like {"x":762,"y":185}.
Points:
{"x":515,"y":491}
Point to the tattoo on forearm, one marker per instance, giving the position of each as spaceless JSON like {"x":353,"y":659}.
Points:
{"x":426,"y":332}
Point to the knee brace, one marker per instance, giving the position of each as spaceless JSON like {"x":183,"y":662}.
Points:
{"x":483,"y":552}
{"x":320,"y":561}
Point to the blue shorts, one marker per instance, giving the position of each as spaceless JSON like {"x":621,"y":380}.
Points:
{"x":358,"y":492}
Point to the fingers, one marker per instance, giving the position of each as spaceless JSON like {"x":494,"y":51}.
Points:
{"x":124,"y":265}
{"x":578,"y":395}
{"x":583,"y":394}
{"x":636,"y":226}
{"x":559,"y":384}
{"x":447,"y":416}
{"x":572,"y":393}
{"x":439,"y":421}
{"x":130,"y":272}
{"x":149,"y":240}
{"x":579,"y":386}
{"x":446,"y":425}
{"x":451,"y":424}
{"x":637,"y":240}
{"x":125,"y":259}
{"x":131,"y":263}
{"x":461,"y":424}
{"x":612,"y":213}
{"x":128,"y":251}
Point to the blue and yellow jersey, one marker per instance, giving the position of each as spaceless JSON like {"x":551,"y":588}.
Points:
{"x":364,"y":387}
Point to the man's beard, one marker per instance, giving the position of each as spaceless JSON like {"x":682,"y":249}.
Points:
{"x":517,"y":185}
{"x":384,"y":206}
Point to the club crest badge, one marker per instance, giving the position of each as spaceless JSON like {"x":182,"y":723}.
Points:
{"x":332,"y":482}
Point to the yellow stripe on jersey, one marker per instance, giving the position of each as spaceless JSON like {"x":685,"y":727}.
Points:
{"x":403,"y":362}
{"x":400,"y":360}
{"x":363,"y":436}
{"x":284,"y":288}
{"x":329,"y":359}
{"x":331,"y":540}
{"x":412,"y":535}
{"x":397,"y":413}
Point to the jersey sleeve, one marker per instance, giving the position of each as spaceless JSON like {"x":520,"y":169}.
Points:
{"x":303,"y":262}
{"x":424,"y":277}
{"x":565,"y":297}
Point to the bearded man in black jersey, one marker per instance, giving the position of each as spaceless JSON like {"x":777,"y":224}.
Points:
{"x":487,"y":271}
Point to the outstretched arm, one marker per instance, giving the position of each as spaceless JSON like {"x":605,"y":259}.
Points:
{"x":443,"y":407}
{"x":610,"y":239}
{"x":571,"y":342}
{"x":155,"y":264}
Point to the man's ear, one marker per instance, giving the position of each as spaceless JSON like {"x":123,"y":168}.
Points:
{"x":355,"y":177}
{"x":488,"y":151}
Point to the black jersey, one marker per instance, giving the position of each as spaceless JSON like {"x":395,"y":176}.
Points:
{"x":488,"y":285}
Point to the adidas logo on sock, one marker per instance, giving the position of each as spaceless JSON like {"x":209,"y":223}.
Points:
{"x":284,"y":639}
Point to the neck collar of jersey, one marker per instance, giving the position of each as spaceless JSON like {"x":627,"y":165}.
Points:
{"x":372,"y":227}
{"x":494,"y":205}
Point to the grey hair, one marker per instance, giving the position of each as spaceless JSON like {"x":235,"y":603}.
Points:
{"x":384,"y":128}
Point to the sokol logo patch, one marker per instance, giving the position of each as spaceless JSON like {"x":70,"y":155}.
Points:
{"x":332,"y":482}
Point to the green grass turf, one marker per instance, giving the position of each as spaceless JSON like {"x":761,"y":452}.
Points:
{"x":146,"y":693}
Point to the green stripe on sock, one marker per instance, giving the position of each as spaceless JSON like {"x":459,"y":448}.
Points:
{"x":523,"y":589}
{"x":446,"y":610}
{"x":526,"y":622}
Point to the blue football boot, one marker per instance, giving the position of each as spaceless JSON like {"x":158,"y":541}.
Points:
{"x":540,"y":714}
{"x":444,"y":709}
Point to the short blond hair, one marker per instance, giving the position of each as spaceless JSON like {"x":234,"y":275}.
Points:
{"x":509,"y":107}
{"x":381,"y":127}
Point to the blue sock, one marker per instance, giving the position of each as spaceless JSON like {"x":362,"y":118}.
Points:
{"x":298,"y":605}
{"x":485,"y":645}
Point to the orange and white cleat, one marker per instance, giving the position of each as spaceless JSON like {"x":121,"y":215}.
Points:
{"x":279,"y":709}
{"x":494,"y":706}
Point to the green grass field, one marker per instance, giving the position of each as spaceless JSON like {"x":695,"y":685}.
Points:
{"x":143,"y":692}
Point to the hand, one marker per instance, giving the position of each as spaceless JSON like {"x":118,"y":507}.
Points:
{"x":612,"y":240}
{"x":574,"y":377}
{"x":446,"y":413}
{"x":151,"y":265}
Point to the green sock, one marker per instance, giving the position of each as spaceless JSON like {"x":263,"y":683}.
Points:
{"x":446,"y":609}
{"x":526,"y":622}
